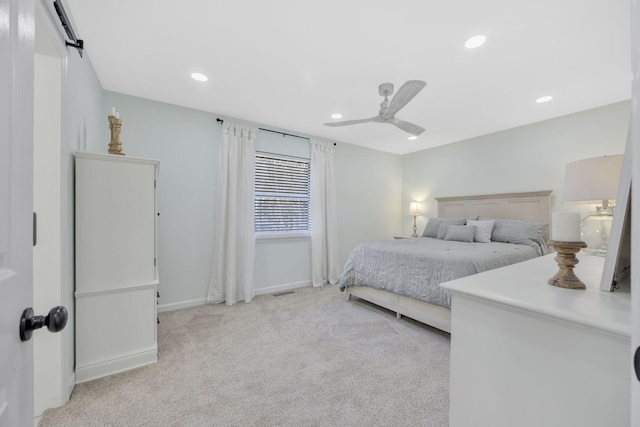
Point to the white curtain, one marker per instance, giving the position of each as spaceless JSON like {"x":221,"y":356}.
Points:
{"x":234,"y":238}
{"x":324,"y":229}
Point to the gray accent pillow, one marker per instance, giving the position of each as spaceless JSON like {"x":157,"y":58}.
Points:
{"x":433,"y":225}
{"x":442,"y":231}
{"x":484,"y":228}
{"x":460,"y":233}
{"x":521,"y":233}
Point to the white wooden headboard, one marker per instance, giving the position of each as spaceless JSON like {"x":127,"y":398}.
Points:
{"x":531,"y":206}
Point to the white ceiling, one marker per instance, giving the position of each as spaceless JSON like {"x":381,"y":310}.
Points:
{"x":291,"y":64}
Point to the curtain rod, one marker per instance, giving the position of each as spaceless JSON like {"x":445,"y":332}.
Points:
{"x":219,"y":120}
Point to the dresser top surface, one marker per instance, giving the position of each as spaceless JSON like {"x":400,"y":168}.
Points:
{"x":524,"y":286}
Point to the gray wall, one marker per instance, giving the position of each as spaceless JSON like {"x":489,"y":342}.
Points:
{"x":186,"y":142}
{"x":369,"y":197}
{"x":526,"y":158}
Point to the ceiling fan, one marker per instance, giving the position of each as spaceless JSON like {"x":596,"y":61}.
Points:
{"x":388,"y":109}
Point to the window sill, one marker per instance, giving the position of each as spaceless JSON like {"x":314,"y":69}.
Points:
{"x":283,"y":235}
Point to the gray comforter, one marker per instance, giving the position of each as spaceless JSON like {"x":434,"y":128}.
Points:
{"x":415,"y":267}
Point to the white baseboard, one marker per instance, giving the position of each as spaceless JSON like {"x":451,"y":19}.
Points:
{"x":179,"y":305}
{"x":261,"y":291}
{"x":115,"y":365}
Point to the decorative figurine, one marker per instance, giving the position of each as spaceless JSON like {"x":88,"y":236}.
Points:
{"x":115,"y":125}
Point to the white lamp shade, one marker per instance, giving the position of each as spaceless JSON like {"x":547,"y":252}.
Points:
{"x":592,"y":180}
{"x":414,"y":208}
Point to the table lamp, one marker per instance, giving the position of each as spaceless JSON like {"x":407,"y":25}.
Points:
{"x":594,"y":181}
{"x":414,"y":210}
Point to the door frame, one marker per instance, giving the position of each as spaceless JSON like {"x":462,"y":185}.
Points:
{"x":54,"y":377}
{"x":63,"y":343}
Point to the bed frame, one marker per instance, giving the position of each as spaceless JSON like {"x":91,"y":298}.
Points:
{"x":531,"y":206}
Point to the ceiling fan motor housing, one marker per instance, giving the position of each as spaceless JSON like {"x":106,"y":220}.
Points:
{"x":385,"y":89}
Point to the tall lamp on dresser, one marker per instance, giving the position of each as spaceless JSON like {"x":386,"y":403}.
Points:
{"x":594,"y":181}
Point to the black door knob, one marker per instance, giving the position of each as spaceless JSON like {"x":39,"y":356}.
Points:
{"x":55,"y":321}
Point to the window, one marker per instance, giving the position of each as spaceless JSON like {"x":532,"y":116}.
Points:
{"x":282,"y":189}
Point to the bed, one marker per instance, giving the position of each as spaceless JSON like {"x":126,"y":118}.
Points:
{"x":404,"y":275}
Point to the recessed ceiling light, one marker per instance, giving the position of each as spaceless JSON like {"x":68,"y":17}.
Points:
{"x":475,"y":41}
{"x":412,"y":137}
{"x":199,"y":77}
{"x":336,"y":116}
{"x":544,"y":99}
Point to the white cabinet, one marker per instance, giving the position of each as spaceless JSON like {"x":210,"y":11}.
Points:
{"x":524,"y":353}
{"x":116,"y":263}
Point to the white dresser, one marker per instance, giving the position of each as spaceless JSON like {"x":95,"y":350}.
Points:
{"x":116,"y":263}
{"x":524,"y":353}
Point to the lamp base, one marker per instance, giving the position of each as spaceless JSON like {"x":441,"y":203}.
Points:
{"x":566,"y":259}
{"x":415,"y":228}
{"x":595,"y":230}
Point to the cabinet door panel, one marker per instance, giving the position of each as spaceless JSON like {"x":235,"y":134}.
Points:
{"x":115,"y":325}
{"x":115,"y":224}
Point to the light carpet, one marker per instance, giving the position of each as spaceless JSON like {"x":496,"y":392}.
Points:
{"x":309,"y":358}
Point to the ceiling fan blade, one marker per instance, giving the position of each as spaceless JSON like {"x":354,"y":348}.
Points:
{"x":407,"y":127}
{"x":353,"y":122}
{"x":405,"y":94}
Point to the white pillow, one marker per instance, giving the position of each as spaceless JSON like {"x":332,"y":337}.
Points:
{"x":484,"y":229}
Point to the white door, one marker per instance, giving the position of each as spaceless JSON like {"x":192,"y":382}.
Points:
{"x":16,"y":140}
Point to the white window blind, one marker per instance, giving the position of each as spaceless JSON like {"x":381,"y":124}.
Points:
{"x":282,"y":186}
